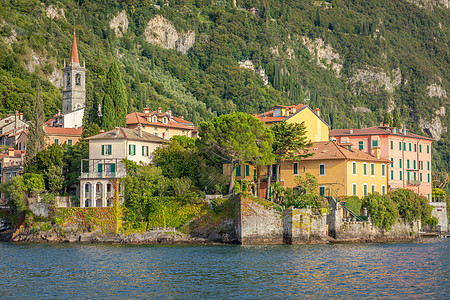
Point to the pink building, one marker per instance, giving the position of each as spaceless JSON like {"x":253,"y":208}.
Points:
{"x":410,"y":154}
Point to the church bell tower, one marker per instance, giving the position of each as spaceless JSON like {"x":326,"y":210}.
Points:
{"x":74,"y":88}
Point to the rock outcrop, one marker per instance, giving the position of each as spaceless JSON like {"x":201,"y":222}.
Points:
{"x":435,"y":90}
{"x":429,"y":4}
{"x":160,"y":31}
{"x":325,"y":55}
{"x":372,"y":79}
{"x":434,"y":127}
{"x":119,"y":23}
{"x":54,"y":12}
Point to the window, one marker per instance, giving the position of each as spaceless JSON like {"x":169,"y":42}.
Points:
{"x":69,"y":142}
{"x":144,"y":150}
{"x":428,"y":148}
{"x":415,"y":176}
{"x":420,"y":148}
{"x":428,"y":165}
{"x":372,"y":189}
{"x":407,"y":163}
{"x":354,"y":168}
{"x":374,"y":144}
{"x":414,"y":164}
{"x":392,"y":175}
{"x":383,"y":170}
{"x":404,"y":146}
{"x":364,"y":169}
{"x":247,"y":170}
{"x":354,"y":189}
{"x":322,"y":191}
{"x":420,"y":177}
{"x":78,"y":79}
{"x":392,"y":162}
{"x":392,"y":144}
{"x":365,"y":189}
{"x":428,"y":175}
{"x":372,"y":169}
{"x":383,"y":189}
{"x":399,"y":145}
{"x":321,"y":170}
{"x":409,"y":147}
{"x":106,"y":149}
{"x":415,"y":147}
{"x":68,"y":80}
{"x":100,"y":170}
{"x":408,"y":176}
{"x":401,"y":175}
{"x":154,"y":120}
{"x":110,"y":168}
{"x":56,"y":141}
{"x":361,"y":145}
{"x":238,"y":170}
{"x":400,"y":163}
{"x":295,"y":169}
{"x":132,"y":149}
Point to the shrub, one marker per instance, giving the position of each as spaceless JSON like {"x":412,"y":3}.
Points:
{"x":382,"y":209}
{"x":353,"y":204}
{"x":410,"y":205}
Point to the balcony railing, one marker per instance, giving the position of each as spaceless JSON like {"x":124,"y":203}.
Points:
{"x":87,"y":175}
{"x":414,"y":182}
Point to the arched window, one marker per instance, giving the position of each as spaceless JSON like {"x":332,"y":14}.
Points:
{"x":78,"y":79}
{"x":68,"y":79}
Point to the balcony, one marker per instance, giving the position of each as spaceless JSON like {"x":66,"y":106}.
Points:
{"x":89,"y":175}
{"x":414,"y":182}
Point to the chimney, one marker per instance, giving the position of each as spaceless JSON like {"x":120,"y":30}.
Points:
{"x":101,"y":131}
{"x":159,"y":110}
{"x":117,"y":131}
{"x":170,"y":112}
{"x":181,"y":117}
{"x":351,"y":131}
{"x":140,"y":130}
{"x":376,"y":152}
{"x":146,"y":110}
{"x":293,"y":110}
{"x":317,"y":111}
{"x":21,"y":116}
{"x":10,"y":151}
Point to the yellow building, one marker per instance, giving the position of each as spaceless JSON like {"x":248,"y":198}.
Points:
{"x":317,"y":129}
{"x":339,"y":169}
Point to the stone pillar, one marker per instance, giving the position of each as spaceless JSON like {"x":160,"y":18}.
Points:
{"x":93,"y":192}
{"x":83,"y":187}
{"x":104,"y":195}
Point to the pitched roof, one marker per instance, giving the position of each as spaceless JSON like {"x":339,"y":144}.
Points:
{"x":377,"y":130}
{"x":127,"y":134}
{"x":174,"y":122}
{"x":332,"y":150}
{"x":74,"y":53}
{"x":63,"y":131}
{"x":267,"y":117}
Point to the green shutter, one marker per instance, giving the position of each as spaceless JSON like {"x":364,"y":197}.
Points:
{"x":103,"y":149}
{"x":100,"y":168}
{"x":143,"y":150}
{"x":247,"y":170}
{"x":113,"y":168}
{"x":129,"y":149}
{"x":109,"y":149}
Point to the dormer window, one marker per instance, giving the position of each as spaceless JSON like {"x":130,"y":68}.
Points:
{"x":165,"y":121}
{"x":154,"y":119}
{"x":78,"y":79}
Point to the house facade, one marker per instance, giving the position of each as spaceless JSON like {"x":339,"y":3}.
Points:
{"x":161,"y":124}
{"x":101,"y":171}
{"x":409,"y":154}
{"x":11,"y":127}
{"x":340,"y":171}
{"x":317,"y":130}
{"x":61,"y":135}
{"x":11,"y":165}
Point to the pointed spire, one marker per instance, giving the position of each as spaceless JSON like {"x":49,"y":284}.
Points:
{"x":74,"y":54}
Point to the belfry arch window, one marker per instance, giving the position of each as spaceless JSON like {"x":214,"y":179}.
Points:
{"x":78,"y":79}
{"x":68,"y":80}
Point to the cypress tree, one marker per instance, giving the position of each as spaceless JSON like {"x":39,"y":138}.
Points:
{"x":115,"y":100}
{"x":35,"y":141}
{"x":387,"y":119}
{"x":397,"y":122}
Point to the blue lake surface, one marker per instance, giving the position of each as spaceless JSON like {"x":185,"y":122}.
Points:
{"x":60,"y":271}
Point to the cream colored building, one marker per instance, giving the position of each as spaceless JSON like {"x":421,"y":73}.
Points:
{"x":104,"y":166}
{"x":162,"y":124}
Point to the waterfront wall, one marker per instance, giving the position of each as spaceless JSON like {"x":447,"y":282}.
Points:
{"x":303,"y":226}
{"x":440,"y":212}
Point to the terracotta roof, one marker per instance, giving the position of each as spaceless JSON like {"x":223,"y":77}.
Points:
{"x":142,"y":118}
{"x":377,"y":130}
{"x":331,"y":150}
{"x":74,"y":53}
{"x":128,"y":134}
{"x":63,"y":131}
{"x":267,"y":117}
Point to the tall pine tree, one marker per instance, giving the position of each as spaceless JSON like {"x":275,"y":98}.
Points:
{"x":387,"y":119}
{"x":35,"y":141}
{"x":115,"y":100}
{"x":397,"y":122}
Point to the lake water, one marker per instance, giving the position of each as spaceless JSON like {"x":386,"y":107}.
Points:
{"x":60,"y":271}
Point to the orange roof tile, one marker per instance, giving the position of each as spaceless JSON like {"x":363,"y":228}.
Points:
{"x":377,"y":130}
{"x":142,"y":118}
{"x":331,"y":150}
{"x":63,"y":131}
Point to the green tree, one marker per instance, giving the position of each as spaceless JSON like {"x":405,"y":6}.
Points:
{"x":35,"y":140}
{"x":397,"y":122}
{"x":307,"y":185}
{"x":387,"y":119}
{"x":382,"y":210}
{"x":238,"y":138}
{"x":290,"y":143}
{"x":115,"y":100}
{"x":55,"y":179}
